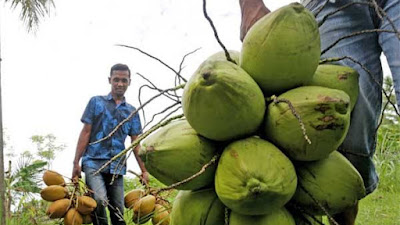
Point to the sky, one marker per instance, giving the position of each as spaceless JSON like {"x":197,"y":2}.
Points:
{"x":48,"y":77}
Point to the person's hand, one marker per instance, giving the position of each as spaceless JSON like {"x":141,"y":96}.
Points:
{"x":76,"y":172}
{"x":252,"y":11}
{"x":144,"y":178}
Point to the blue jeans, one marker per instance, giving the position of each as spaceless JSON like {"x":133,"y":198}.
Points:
{"x":106,"y":194}
{"x":359,"y":145}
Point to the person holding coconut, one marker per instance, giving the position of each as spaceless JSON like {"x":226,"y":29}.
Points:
{"x":359,"y":145}
{"x":101,"y":116}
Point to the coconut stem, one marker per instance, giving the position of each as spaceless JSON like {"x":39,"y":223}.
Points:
{"x":228,"y":57}
{"x":138,"y":140}
{"x":319,"y":204}
{"x":291,"y":107}
{"x":201,"y":171}
{"x":227,"y":214}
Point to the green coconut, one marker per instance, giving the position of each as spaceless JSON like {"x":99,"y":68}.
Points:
{"x":254,"y":177}
{"x":200,"y":207}
{"x":277,"y":217}
{"x":282,"y":49}
{"x":221,"y":101}
{"x":301,"y":217}
{"x":325,"y":113}
{"x":333,"y":182}
{"x":338,"y":77}
{"x":235,"y":55}
{"x":176,"y":152}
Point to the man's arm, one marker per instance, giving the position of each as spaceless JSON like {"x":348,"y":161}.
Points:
{"x":83,"y":141}
{"x":252,"y":11}
{"x":145,"y":174}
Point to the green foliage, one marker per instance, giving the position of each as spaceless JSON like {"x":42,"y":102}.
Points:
{"x":32,"y":11}
{"x":381,"y":208}
{"x":47,"y":147}
{"x":23,"y":181}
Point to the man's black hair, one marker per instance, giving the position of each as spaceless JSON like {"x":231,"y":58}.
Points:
{"x":121,"y":67}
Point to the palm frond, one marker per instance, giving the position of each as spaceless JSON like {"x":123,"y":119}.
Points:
{"x":32,"y":11}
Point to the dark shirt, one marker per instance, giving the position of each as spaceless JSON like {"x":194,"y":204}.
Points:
{"x":104,"y":115}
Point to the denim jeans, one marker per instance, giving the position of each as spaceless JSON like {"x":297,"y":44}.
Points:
{"x":359,"y":145}
{"x":106,"y":195}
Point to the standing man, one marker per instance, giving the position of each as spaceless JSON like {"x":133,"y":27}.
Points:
{"x":101,"y":116}
{"x":359,"y":145}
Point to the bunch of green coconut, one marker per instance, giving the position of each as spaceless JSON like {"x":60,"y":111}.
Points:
{"x":66,"y":201}
{"x":275,"y":118}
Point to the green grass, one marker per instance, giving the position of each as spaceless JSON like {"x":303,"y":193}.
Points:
{"x":381,"y":208}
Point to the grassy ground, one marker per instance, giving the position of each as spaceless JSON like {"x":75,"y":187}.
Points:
{"x":381,"y":208}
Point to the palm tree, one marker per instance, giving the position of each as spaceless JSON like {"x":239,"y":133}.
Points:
{"x":23,"y":182}
{"x":31,"y":13}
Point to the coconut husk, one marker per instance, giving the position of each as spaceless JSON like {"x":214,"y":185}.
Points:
{"x":254,"y":177}
{"x":53,"y":193}
{"x":53,"y":178}
{"x":222,"y":102}
{"x":161,"y":215}
{"x":176,"y":152}
{"x":87,"y":219}
{"x":58,"y":208}
{"x":86,"y":204}
{"x":197,"y":207}
{"x":332,"y":183}
{"x":277,"y":217}
{"x":132,"y":197}
{"x":337,"y":77}
{"x":145,"y":205}
{"x":325,"y":114}
{"x":281,"y":51}
{"x":73,"y":217}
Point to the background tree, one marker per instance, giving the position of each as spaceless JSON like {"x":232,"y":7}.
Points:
{"x":47,"y":147}
{"x":31,"y":13}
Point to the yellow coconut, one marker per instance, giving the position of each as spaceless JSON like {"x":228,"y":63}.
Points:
{"x":58,"y":208}
{"x":86,"y":205}
{"x":53,"y":193}
{"x":145,"y":205}
{"x":87,"y":219}
{"x":53,"y":178}
{"x":73,"y":217}
{"x":132,"y":197}
{"x":161,"y":215}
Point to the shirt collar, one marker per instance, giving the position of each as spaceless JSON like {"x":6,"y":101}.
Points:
{"x":110,"y":97}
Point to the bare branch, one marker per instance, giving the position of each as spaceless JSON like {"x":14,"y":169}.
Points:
{"x":318,"y":203}
{"x":159,"y":113}
{"x":228,"y":57}
{"x":354,"y":34}
{"x":201,"y":171}
{"x":137,"y":141}
{"x":134,"y":113}
{"x":321,"y":8}
{"x":184,"y":57}
{"x":157,"y":59}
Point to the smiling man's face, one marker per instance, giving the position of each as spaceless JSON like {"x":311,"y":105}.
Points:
{"x":119,"y":81}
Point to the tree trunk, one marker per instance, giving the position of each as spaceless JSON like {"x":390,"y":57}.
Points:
{"x":9,"y":197}
{"x":2,"y":187}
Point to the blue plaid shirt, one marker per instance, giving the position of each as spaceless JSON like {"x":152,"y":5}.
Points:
{"x":104,"y":115}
